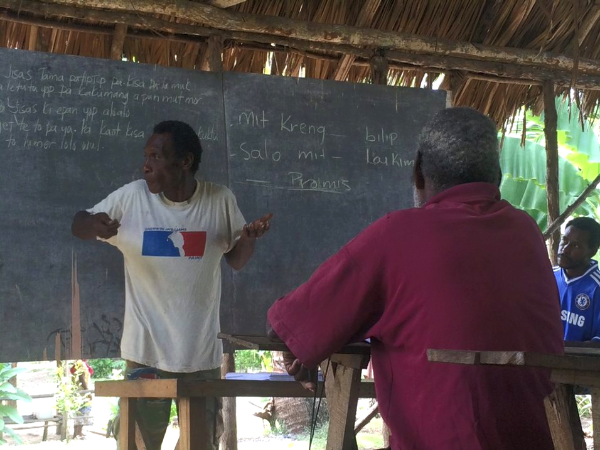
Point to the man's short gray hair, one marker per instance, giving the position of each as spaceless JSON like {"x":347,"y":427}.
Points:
{"x":459,"y":145}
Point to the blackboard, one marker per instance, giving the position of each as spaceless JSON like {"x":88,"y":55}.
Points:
{"x":326,"y":158}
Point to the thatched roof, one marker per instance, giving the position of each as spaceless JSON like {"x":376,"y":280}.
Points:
{"x":519,"y":43}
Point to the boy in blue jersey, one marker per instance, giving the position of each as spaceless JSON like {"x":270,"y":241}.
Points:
{"x":578,"y":280}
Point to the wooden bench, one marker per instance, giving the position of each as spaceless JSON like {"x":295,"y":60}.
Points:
{"x":577,"y":367}
{"x":192,"y":394}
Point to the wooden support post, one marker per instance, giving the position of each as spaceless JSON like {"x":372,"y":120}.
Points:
{"x":116,"y":48}
{"x":33,"y":38}
{"x":213,"y":60}
{"x":563,"y":419}
{"x":341,"y":385}
{"x":192,"y":423}
{"x":550,"y":125}
{"x":127,"y":427}
{"x":379,"y":70}
{"x":229,"y":437}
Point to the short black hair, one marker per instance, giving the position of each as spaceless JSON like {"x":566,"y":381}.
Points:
{"x":589,"y":225}
{"x":184,"y":140}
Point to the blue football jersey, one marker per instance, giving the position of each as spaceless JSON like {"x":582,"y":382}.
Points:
{"x":580,"y":304}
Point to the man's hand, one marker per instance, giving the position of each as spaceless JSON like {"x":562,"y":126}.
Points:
{"x":256,"y":229}
{"x":241,"y":253}
{"x":306,"y":377}
{"x":103,"y":226}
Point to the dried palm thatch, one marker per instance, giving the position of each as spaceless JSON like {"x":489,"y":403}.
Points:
{"x":170,"y":36}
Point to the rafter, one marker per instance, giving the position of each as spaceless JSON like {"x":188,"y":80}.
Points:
{"x":365,"y":17}
{"x":210,"y":16}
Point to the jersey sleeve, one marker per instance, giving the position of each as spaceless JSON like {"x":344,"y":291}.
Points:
{"x":235,"y":220}
{"x":339,"y":304}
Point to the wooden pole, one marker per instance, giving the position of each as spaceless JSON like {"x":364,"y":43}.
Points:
{"x":33,"y":38}
{"x":379,"y":70}
{"x":550,"y":132}
{"x":229,"y":437}
{"x":213,"y":57}
{"x":567,"y":212}
{"x":116,"y":48}
{"x":220,"y":19}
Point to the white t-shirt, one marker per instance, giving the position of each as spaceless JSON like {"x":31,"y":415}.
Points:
{"x":172,"y":255}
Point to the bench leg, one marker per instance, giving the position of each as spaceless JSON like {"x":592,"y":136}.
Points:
{"x":127,"y":426}
{"x":192,"y":424}
{"x":563,"y":419}
{"x":341,"y":385}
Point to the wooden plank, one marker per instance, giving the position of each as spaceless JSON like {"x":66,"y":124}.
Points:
{"x":264,"y":343}
{"x":573,"y":377}
{"x":137,"y":389}
{"x":338,"y":34}
{"x":531,"y":359}
{"x":192,"y":424}
{"x":127,"y":431}
{"x":213,"y":388}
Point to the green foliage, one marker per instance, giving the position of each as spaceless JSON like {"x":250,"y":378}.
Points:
{"x":68,"y":399}
{"x":584,"y":405}
{"x":253,"y":361}
{"x":9,"y":392}
{"x":524,"y":168}
{"x":106,"y":368}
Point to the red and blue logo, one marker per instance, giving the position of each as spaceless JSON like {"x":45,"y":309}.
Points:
{"x":174,"y":243}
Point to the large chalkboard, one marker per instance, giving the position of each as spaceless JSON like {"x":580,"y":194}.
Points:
{"x":326,"y":158}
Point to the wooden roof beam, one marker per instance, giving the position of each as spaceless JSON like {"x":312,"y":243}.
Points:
{"x":221,"y":19}
{"x":365,"y":18}
{"x":182,"y":32}
{"x":225,"y":3}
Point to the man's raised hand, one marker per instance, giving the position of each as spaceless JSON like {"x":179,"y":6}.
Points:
{"x":256,"y":229}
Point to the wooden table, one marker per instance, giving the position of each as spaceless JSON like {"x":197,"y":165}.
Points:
{"x":579,"y":366}
{"x":342,"y":386}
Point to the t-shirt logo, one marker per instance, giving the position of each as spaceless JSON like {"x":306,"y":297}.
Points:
{"x":174,"y":243}
{"x":582,"y":301}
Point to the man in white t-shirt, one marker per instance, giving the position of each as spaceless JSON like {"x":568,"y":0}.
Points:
{"x":172,"y":231}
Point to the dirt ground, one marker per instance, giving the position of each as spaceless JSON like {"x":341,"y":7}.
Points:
{"x":253,"y":432}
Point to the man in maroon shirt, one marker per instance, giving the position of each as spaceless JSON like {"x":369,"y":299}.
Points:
{"x":463,"y":271}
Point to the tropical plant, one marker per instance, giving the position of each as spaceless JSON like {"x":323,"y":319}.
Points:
{"x":524,"y":167}
{"x":10,"y":392}
{"x":67,"y":398}
{"x":104,"y":368}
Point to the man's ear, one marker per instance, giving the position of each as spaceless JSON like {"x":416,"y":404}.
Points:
{"x":418,"y":177}
{"x":188,"y":161}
